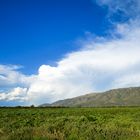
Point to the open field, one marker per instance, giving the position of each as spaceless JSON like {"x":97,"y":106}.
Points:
{"x":120,"y":123}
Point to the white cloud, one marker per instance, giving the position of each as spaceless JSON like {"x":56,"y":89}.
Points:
{"x":98,"y":66}
{"x":10,"y":76}
{"x":127,"y":80}
{"x":95,"y":69}
{"x":17,"y":93}
{"x":13,"y":84}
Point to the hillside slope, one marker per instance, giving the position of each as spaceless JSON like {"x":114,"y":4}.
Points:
{"x":115,"y":97}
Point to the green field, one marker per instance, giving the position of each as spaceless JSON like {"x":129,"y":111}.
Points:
{"x":122,"y":123}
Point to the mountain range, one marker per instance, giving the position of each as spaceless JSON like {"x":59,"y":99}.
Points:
{"x":115,"y":97}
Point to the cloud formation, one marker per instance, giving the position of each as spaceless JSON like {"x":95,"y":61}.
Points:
{"x":10,"y":76}
{"x":97,"y":66}
{"x":112,"y":64}
{"x":17,"y":93}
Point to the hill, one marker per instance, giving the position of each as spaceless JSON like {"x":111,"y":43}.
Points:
{"x":115,"y":97}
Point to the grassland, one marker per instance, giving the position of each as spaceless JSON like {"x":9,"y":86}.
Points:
{"x":119,"y":123}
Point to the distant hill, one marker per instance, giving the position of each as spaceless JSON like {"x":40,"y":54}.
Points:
{"x":115,"y":97}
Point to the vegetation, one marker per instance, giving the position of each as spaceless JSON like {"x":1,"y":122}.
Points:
{"x":116,"y":123}
{"x":116,"y":97}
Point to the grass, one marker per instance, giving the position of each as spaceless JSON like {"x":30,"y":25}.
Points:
{"x":119,"y":123}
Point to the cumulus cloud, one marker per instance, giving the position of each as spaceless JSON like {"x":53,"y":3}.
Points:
{"x":99,"y":68}
{"x":13,"y":84}
{"x":17,"y":93}
{"x":10,"y":76}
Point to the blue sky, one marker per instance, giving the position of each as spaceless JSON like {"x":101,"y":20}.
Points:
{"x":57,"y":49}
{"x":33,"y":32}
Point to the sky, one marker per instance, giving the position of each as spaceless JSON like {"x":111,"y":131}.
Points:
{"x":58,"y":49}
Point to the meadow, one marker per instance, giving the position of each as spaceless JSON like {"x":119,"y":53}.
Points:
{"x":114,"y":123}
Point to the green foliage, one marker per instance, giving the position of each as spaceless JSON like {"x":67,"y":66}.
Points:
{"x":117,"y":123}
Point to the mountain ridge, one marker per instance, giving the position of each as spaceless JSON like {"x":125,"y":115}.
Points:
{"x":114,"y":97}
